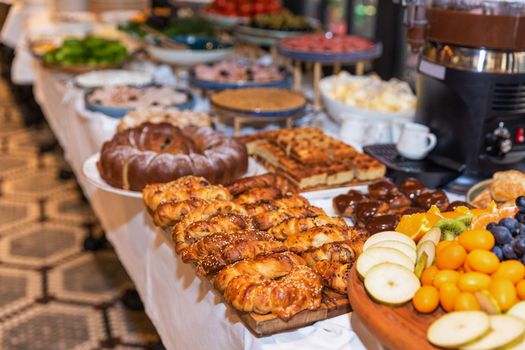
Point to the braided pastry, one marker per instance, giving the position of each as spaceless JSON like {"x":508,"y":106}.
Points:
{"x":257,"y":194}
{"x":270,"y":266}
{"x":316,"y":237}
{"x":286,"y":202}
{"x":212,"y":208}
{"x":345,"y":252}
{"x":190,"y":188}
{"x":169,"y":213}
{"x":298,"y":290}
{"x":214,"y":243}
{"x":296,"y":225}
{"x":247,"y":183}
{"x":269,"y":219}
{"x":333,"y":274}
{"x":216,"y":224}
{"x":234,"y":252}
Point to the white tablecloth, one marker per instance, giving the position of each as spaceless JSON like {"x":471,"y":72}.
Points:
{"x":186,"y":313}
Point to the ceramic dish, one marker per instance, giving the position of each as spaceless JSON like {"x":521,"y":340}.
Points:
{"x":119,"y":112}
{"x":90,"y":171}
{"x":285,"y":80}
{"x":112,"y":78}
{"x":339,"y":110}
{"x":225,"y":22}
{"x":259,"y":36}
{"x":289,"y":48}
{"x":201,"y":50}
{"x":475,"y":190}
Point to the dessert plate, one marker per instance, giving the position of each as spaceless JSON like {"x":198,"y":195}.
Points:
{"x":90,"y":171}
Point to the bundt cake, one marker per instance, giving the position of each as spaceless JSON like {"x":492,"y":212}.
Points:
{"x":157,"y":153}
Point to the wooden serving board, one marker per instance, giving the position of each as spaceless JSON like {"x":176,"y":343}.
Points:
{"x":333,"y":304}
{"x":396,"y":328}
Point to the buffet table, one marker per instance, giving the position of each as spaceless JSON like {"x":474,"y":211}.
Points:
{"x":183,"y":308}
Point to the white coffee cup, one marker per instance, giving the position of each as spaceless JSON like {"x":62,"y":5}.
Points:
{"x":378,"y":132}
{"x":416,"y":141}
{"x":353,"y":129}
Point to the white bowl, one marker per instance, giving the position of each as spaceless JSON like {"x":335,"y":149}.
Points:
{"x":187,"y":57}
{"x":337,"y":109}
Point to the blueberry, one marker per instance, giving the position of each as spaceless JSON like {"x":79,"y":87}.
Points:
{"x":523,"y":259}
{"x":520,"y":203}
{"x":502,"y":235}
{"x":510,"y":223}
{"x":521,"y":229}
{"x":520,"y":217}
{"x":498,"y":252}
{"x":491,"y":225}
{"x":508,"y":252}
{"x":518,"y":244}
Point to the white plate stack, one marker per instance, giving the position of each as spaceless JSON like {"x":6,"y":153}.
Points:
{"x":99,"y":6}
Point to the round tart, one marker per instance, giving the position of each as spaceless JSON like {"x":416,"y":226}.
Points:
{"x":259,"y":100}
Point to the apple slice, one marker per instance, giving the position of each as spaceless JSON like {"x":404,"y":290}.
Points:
{"x":397,"y":245}
{"x":391,"y":284}
{"x":518,"y":310}
{"x":518,"y":344}
{"x":504,"y":330}
{"x":389,"y":236}
{"x":379,"y":255}
{"x":421,"y":265}
{"x":458,"y":328}
{"x":487,"y":302}
{"x":429,"y":248}
{"x":433,"y":235}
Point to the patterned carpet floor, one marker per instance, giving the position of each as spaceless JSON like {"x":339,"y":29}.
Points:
{"x":55,"y":295}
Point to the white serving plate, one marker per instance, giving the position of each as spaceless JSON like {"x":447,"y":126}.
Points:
{"x":337,"y":110}
{"x":187,"y":57}
{"x":113,"y":77}
{"x":90,"y":171}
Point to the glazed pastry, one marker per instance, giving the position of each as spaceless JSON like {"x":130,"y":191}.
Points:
{"x":216,"y":242}
{"x":270,"y":266}
{"x":412,"y":188}
{"x":246,"y":183}
{"x":365,"y":210}
{"x":437,"y":198}
{"x":317,"y":236}
{"x":234,"y":252}
{"x":257,"y":194}
{"x":169,"y":213}
{"x":216,"y":224}
{"x":293,"y":226}
{"x":269,"y":219}
{"x":380,"y":189}
{"x":298,"y":290}
{"x":159,"y":153}
{"x":381,"y":223}
{"x":344,"y":204}
{"x":456,"y":204}
{"x":396,"y":200}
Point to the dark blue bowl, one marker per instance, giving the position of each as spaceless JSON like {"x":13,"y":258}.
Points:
{"x":119,"y":112}
{"x":195,"y":42}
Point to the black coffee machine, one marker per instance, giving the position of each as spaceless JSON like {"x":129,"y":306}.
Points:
{"x":471,"y":83}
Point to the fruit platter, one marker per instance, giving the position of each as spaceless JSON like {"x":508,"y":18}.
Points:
{"x":451,"y":279}
{"x":267,"y":29}
{"x":238,"y":73}
{"x":86,"y":54}
{"x":229,"y":13}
